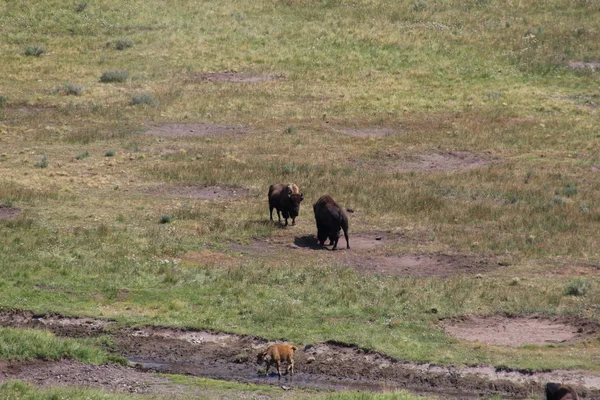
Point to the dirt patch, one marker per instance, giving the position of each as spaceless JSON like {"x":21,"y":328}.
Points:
{"x":366,"y":132}
{"x":7,"y":212}
{"x":255,"y":247}
{"x":439,"y":162}
{"x":329,"y":365}
{"x":233,"y":77}
{"x":593,"y":65}
{"x":363,"y":241}
{"x":421,"y":265}
{"x":195,"y":130}
{"x":521,"y":330}
{"x":201,"y":192}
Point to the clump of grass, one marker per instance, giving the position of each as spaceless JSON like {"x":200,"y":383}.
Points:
{"x":558,"y":201}
{"x":122,"y":44}
{"x":109,"y":153}
{"x":3,"y":103}
{"x":290,"y":130}
{"x":166,"y":219}
{"x":577,"y":287}
{"x":34,"y":51}
{"x":83,"y":155}
{"x":143,"y":98}
{"x":69,"y":89}
{"x":114,"y":76}
{"x":80,"y":7}
{"x":419,"y":6}
{"x":570,"y":189}
{"x":42,"y":162}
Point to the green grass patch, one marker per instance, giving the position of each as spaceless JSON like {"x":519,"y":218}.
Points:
{"x":19,"y":390}
{"x":23,"y":344}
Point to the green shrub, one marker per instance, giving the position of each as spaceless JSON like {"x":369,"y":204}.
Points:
{"x":34,"y":51}
{"x":143,"y":98}
{"x":83,"y":155}
{"x":43,"y":162}
{"x":69,"y":89}
{"x":290,"y":130}
{"x":165,"y":219}
{"x":114,"y":76}
{"x":110,"y":153}
{"x":122,"y":44}
{"x":80,"y":7}
{"x":577,"y":287}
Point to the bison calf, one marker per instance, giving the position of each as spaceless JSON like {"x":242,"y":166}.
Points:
{"x":330,"y":218}
{"x":275,"y":355}
{"x":285,"y":199}
{"x":556,"y":391}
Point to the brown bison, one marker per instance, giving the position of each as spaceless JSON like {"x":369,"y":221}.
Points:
{"x":330,"y":218}
{"x":556,"y":391}
{"x":275,"y":355}
{"x":285,"y":199}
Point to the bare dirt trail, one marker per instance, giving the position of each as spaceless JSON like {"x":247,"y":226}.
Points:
{"x":326,"y":366}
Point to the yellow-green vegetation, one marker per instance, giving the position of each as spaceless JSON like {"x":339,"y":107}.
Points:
{"x":511,"y":82}
{"x":188,"y":388}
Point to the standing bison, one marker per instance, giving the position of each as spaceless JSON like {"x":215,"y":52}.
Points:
{"x":285,"y":199}
{"x":330,"y":218}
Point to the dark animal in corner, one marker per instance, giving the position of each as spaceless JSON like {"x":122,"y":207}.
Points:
{"x":286,"y":200}
{"x":275,"y":355}
{"x":556,"y":391}
{"x":330,"y":218}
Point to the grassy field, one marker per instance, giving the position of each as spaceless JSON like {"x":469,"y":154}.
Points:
{"x":513,"y":83}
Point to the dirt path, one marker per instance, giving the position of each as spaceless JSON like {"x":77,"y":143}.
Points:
{"x":328,"y":366}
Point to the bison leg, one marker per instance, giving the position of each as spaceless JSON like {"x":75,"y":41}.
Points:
{"x":346,"y":236}
{"x":278,"y":369}
{"x":335,"y":243}
{"x":278,"y":216}
{"x":293,"y":220}
{"x":271,"y":212}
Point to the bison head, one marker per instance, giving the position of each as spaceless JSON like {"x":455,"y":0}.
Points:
{"x":294,"y":200}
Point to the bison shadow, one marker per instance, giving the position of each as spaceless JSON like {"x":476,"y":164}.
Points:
{"x":309,"y":242}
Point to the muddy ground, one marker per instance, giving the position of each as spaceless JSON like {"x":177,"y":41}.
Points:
{"x":326,"y":366}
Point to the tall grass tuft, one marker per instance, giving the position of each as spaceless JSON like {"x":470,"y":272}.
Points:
{"x":114,"y":76}
{"x":34,"y":51}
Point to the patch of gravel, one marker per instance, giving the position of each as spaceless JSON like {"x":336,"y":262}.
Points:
{"x":195,"y":130}
{"x":233,"y":77}
{"x":7,"y":212}
{"x":521,"y":330}
{"x":201,"y":192}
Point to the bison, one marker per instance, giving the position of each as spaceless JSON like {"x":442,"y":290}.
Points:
{"x":556,"y":391}
{"x":285,"y":199}
{"x":275,"y":354}
{"x":330,"y":218}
